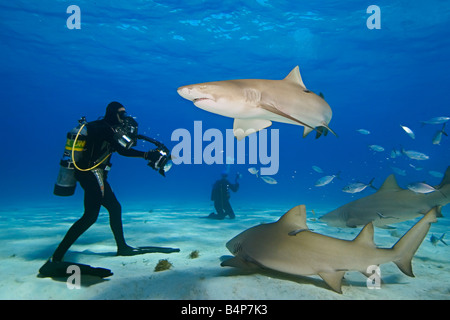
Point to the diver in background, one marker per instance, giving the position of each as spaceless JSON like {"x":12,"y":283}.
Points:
{"x":220,"y":195}
{"x":102,"y":140}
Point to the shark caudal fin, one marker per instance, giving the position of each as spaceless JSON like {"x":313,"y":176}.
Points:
{"x":407,"y":246}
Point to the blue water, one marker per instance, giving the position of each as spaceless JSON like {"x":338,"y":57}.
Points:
{"x":140,"y":52}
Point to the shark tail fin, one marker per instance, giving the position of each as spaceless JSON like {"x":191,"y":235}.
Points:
{"x":407,"y":246}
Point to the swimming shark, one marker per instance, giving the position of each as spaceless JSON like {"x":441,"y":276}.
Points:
{"x":255,"y":103}
{"x":390,"y":204}
{"x":289,"y":246}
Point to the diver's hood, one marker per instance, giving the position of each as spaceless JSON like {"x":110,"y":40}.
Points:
{"x":111,"y":113}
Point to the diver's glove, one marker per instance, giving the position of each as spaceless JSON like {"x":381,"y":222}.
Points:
{"x":157,"y":159}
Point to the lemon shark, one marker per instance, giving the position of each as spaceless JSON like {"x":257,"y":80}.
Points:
{"x":390,"y":204}
{"x":255,"y":103}
{"x":289,"y":246}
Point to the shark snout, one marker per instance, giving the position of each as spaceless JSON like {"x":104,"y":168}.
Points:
{"x":185,"y":92}
{"x":193,"y":93}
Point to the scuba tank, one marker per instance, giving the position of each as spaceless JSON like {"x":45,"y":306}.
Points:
{"x":66,"y":183}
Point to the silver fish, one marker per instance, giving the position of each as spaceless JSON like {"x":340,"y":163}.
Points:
{"x":436,"y":174}
{"x":415,"y":168}
{"x":435,"y":240}
{"x":421,"y":187}
{"x":269,"y":180}
{"x":317,"y":169}
{"x":326,"y":180}
{"x":399,"y":171}
{"x":253,"y":170}
{"x":437,"y":120}
{"x":438,"y":136}
{"x":408,"y":131}
{"x":395,"y":153}
{"x":376,"y":148}
{"x":363,"y":131}
{"x":415,"y":155}
{"x":358,"y":187}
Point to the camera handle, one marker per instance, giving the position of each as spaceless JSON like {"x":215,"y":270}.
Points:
{"x":165,"y":152}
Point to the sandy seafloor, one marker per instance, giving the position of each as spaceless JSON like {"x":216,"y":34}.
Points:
{"x":29,"y":237}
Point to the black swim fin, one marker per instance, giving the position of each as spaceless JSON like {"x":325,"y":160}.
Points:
{"x":130,"y":251}
{"x":59,"y":269}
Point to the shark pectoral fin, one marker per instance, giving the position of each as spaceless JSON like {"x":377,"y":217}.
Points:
{"x":233,"y":262}
{"x":276,"y":111}
{"x":333,"y":279}
{"x":238,"y":262}
{"x":245,"y":127}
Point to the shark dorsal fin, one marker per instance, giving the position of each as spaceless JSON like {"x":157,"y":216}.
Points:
{"x":365,"y":237}
{"x":446,"y":179}
{"x":295,"y":77}
{"x":294,"y":219}
{"x":390,"y":184}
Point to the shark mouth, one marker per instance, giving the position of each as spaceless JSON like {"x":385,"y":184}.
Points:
{"x":200,"y":99}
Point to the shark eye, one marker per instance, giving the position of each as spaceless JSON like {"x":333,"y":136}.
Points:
{"x":306,"y":90}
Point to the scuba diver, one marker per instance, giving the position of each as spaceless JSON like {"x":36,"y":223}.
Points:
{"x":104,"y":137}
{"x":220,"y":195}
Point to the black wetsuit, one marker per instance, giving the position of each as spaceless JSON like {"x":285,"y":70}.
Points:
{"x":220,"y":195}
{"x":97,"y":191}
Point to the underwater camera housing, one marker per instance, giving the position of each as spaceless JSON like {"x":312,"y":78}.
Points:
{"x":126,"y":134}
{"x":164,"y":155}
